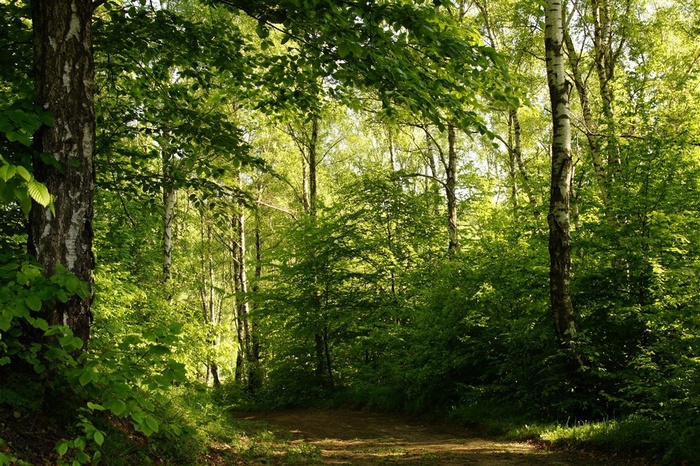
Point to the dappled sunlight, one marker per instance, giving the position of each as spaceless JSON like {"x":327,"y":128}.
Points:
{"x":361,"y":438}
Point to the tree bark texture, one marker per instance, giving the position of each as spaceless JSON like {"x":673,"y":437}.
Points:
{"x":64,"y":81}
{"x":561,"y":177}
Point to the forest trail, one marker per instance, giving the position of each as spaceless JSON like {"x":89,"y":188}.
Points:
{"x":347,"y":437}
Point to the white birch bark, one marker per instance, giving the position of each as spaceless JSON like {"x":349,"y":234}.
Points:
{"x":561,"y":176}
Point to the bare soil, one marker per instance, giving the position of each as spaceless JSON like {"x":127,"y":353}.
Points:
{"x":347,"y":437}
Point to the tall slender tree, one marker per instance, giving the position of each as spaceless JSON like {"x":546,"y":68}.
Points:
{"x":561,"y":177}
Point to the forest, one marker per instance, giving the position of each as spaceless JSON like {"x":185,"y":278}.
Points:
{"x":486,"y":212}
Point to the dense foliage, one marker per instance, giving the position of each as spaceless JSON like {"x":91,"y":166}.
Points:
{"x":273,"y":220}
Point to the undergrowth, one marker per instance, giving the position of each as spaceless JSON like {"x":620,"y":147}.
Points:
{"x":659,"y":441}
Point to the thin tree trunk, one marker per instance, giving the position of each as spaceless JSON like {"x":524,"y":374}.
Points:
{"x":432,"y":166}
{"x":213,"y":314}
{"x":451,"y":191}
{"x":244,"y":304}
{"x":313,"y":143}
{"x":327,"y":353}
{"x":237,"y":290}
{"x":64,"y":77}
{"x":392,"y":157}
{"x":254,"y":373}
{"x":605,"y":68}
{"x":319,"y":340}
{"x":517,"y":154}
{"x":602,"y":44}
{"x":210,"y":315}
{"x":247,"y":361}
{"x":168,"y":216}
{"x":305,"y":183}
{"x":561,"y":178}
{"x":512,"y":164}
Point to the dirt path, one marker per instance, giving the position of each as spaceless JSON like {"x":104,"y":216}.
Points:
{"x":361,"y":438}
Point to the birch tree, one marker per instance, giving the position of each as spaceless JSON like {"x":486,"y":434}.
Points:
{"x":561,"y":177}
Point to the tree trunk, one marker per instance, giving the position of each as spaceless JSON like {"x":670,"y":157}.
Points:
{"x":561,"y":177}
{"x":313,"y":143}
{"x":254,"y":373}
{"x":237,"y":290}
{"x":319,"y":340}
{"x":517,"y":155}
{"x":604,"y":59}
{"x":246,"y":337}
{"x":512,"y":167}
{"x":432,"y":172}
{"x":168,"y":216}
{"x":451,"y":191}
{"x":210,"y":313}
{"x":605,"y":68}
{"x":64,"y":77}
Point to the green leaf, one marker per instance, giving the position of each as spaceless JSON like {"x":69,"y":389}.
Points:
{"x":46,"y":118}
{"x":19,"y":137}
{"x":41,"y":324}
{"x":85,"y":378}
{"x":95,"y":406}
{"x":24,"y":173}
{"x":5,"y":321}
{"x":25,"y":202}
{"x":71,"y":343}
{"x":343,"y":49}
{"x":38,"y":192}
{"x":7,"y":172}
{"x":62,"y":448}
{"x":54,"y":330}
{"x":33,"y":303}
{"x":99,"y":437}
{"x":151,"y":422}
{"x":118,"y":407}
{"x":159,"y":350}
{"x":262,"y":30}
{"x":176,"y":328}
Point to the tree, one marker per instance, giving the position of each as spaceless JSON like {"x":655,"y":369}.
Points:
{"x":64,"y":75}
{"x":561,"y":177}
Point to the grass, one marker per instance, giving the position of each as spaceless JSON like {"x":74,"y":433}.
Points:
{"x":633,"y":437}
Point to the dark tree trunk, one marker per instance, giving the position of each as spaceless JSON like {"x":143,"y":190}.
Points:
{"x":254,"y":372}
{"x":64,"y":77}
{"x":451,"y":190}
{"x":168,"y":217}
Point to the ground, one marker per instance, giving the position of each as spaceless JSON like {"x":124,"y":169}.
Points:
{"x":346,"y":437}
{"x":325,"y":437}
